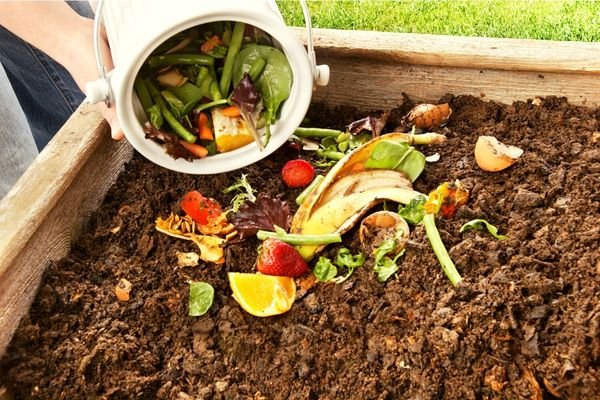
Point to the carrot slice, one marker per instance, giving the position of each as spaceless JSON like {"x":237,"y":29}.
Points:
{"x":231,"y":111}
{"x":210,"y":44}
{"x":204,"y":131}
{"x":195,"y":149}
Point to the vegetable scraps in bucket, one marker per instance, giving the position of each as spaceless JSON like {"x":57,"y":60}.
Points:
{"x":212,"y":89}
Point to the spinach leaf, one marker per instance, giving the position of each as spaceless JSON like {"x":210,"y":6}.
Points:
{"x":479,"y":224}
{"x":324,"y":270}
{"x":397,"y":156}
{"x":201,"y":299}
{"x":274,"y":83}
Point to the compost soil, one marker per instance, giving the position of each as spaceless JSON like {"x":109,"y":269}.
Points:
{"x":523,"y":324}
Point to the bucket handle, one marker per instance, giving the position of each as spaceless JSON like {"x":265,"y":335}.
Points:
{"x":100,"y":90}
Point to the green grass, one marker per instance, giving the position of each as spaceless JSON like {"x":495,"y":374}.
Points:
{"x":575,"y":20}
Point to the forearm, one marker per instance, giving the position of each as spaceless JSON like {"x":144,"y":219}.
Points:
{"x":51,"y":26}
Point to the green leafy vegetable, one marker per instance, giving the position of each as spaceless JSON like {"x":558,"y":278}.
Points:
{"x":175,"y":104}
{"x":201,"y":299}
{"x":397,"y":156}
{"x":274,"y":83}
{"x":324,"y":269}
{"x":156,"y":118}
{"x":386,"y":266}
{"x":245,"y":192}
{"x":413,"y":213}
{"x":264,"y":213}
{"x":345,"y":259}
{"x":479,"y":224}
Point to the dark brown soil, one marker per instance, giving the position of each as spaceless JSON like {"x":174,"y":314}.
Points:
{"x":524,"y":323}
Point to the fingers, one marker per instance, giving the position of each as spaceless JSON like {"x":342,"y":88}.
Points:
{"x":110,"y":115}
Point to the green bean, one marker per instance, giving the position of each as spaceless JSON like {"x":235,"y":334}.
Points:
{"x":316,"y":132}
{"x":257,"y":68}
{"x":331,"y":155}
{"x":234,"y":48}
{"x":205,"y":106}
{"x":143,"y":94}
{"x":174,"y":59}
{"x":213,"y":88}
{"x":293,"y":238}
{"x":169,"y":117}
{"x":313,"y":185}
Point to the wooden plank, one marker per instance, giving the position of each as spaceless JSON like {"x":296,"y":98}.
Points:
{"x":426,"y":67}
{"x":458,"y":51}
{"x":384,"y":84}
{"x":48,"y":207}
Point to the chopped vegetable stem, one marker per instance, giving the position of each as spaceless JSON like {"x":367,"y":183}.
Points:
{"x":234,"y":48}
{"x":317,"y":132}
{"x":440,"y":251}
{"x":169,"y":117}
{"x":257,"y":69}
{"x":143,"y":94}
{"x":215,"y":103}
{"x":301,"y":239}
{"x":313,"y":185}
{"x":175,"y":59}
{"x":331,"y":155}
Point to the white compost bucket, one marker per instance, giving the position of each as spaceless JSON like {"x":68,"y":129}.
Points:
{"x":136,"y":27}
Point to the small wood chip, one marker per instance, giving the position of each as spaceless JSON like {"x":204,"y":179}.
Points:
{"x":187,"y":259}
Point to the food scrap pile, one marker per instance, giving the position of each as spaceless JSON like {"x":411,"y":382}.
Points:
{"x":212,"y":89}
{"x":355,"y":262}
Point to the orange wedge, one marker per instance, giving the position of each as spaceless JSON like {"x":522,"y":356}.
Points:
{"x":263,"y":295}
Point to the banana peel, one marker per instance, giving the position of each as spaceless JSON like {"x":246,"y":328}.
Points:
{"x":348,"y":191}
{"x":351,"y":163}
{"x":362,"y":181}
{"x":340,"y":215}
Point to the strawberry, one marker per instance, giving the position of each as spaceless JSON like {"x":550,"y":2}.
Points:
{"x":280,"y":259}
{"x":201,"y":209}
{"x":297,"y":173}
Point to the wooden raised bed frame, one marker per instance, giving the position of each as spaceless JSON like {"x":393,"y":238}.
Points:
{"x":49,"y":206}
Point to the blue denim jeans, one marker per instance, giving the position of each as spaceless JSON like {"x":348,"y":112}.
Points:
{"x":35,"y":88}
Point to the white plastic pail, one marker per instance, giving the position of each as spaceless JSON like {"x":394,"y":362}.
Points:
{"x":136,"y":27}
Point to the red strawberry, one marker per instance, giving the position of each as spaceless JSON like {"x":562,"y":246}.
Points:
{"x":297,"y":173}
{"x":280,"y":259}
{"x":200,"y":208}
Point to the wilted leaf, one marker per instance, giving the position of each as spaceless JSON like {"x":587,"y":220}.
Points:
{"x":371,"y":123}
{"x":211,"y":249}
{"x":264,"y":214}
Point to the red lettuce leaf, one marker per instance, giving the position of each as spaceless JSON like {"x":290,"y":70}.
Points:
{"x":169,"y":141}
{"x":371,"y":123}
{"x":263,"y":214}
{"x":245,"y":95}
